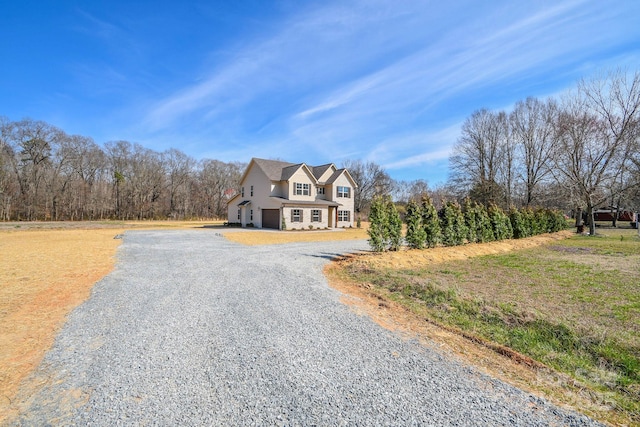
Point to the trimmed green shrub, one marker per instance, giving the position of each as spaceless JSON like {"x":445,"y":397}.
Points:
{"x":378,"y":230}
{"x":452,"y":224}
{"x":500,"y":223}
{"x":416,"y":235}
{"x":520,"y":229}
{"x":470,"y":220}
{"x":483,"y":222}
{"x":459,"y":224}
{"x":555,"y":220}
{"x":394,"y":224}
{"x":430,"y":222}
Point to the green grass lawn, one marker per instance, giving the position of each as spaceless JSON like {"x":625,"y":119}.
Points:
{"x":573,"y":305}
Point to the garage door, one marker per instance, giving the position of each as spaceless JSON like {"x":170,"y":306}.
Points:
{"x":271,"y":218}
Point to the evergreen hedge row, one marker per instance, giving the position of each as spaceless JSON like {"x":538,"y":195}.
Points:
{"x":454,"y":225}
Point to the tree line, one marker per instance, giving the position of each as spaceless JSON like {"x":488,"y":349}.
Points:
{"x":580,"y":152}
{"x":47,"y":174}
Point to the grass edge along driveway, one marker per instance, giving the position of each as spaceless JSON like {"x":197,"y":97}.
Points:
{"x":530,"y":300}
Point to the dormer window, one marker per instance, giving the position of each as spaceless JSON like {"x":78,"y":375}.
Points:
{"x":344,"y":192}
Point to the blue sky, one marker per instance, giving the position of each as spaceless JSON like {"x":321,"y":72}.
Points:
{"x":303,"y":81}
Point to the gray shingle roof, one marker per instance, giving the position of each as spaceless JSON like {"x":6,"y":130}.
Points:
{"x":335,"y":176}
{"x":272,"y":168}
{"x":319,"y":170}
{"x":289,"y":171}
{"x":277,"y":170}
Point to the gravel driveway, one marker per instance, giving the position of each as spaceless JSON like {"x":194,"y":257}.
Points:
{"x":191,"y":329}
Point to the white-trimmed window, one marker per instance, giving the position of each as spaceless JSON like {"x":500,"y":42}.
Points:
{"x":302,"y":189}
{"x":316,"y":215}
{"x":251,"y":215}
{"x":296,"y":215}
{"x":344,"y":192}
{"x":344,"y":216}
{"x":319,"y":190}
{"x":242,"y":192}
{"x":239,"y":213}
{"x":252,"y":191}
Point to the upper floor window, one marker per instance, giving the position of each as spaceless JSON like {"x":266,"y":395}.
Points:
{"x":252,"y":191}
{"x":319,"y":190}
{"x":242,"y":192}
{"x":344,"y":192}
{"x":302,"y":189}
{"x":344,"y":215}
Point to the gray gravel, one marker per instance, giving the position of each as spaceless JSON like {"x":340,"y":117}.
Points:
{"x":191,"y":329}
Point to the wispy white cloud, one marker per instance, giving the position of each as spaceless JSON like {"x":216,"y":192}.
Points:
{"x":362,"y":79}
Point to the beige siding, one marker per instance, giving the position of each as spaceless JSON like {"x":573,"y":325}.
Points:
{"x":307,"y":218}
{"x":262,"y":190}
{"x":301,"y":177}
{"x":347,"y":203}
{"x":281,"y":189}
{"x":327,"y":174}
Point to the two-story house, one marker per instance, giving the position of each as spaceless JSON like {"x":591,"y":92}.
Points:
{"x":298,"y":196}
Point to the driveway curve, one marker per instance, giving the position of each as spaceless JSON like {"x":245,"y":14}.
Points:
{"x":191,"y":329}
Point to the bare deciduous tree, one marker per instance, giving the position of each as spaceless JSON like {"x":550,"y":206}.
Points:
{"x":597,"y":136}
{"x":478,"y":156}
{"x":533,"y":130}
{"x":372,"y":181}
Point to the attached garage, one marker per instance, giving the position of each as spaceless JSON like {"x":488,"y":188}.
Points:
{"x":271,"y":218}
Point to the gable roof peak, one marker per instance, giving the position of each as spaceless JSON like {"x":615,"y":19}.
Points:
{"x":271,"y":168}
{"x":278,"y":170}
{"x":318,"y":171}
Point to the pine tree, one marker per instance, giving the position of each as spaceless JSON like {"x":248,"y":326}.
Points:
{"x":394,"y":224}
{"x":459,"y":225}
{"x":378,"y":230}
{"x":543,"y":223}
{"x":416,"y":235}
{"x":485,"y":230}
{"x":430,"y":222}
{"x":528,"y":217}
{"x":555,"y":220}
{"x":518,"y":225}
{"x":446,"y":215}
{"x":470,"y":221}
{"x":500,"y":223}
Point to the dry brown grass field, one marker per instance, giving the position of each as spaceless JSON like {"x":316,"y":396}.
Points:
{"x":46,"y":270}
{"x":268,"y":237}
